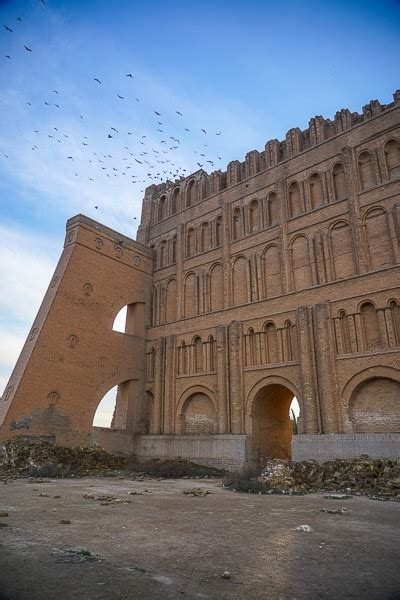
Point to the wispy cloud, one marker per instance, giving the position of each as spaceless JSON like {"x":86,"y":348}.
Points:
{"x":27,"y":262}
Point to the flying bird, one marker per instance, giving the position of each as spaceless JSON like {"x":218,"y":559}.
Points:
{"x":8,"y":28}
{"x":187,"y":129}
{"x":29,"y":104}
{"x":96,"y":207}
{"x":179,"y":113}
{"x":130,"y":75}
{"x":130,"y":133}
{"x":113,"y":128}
{"x":28,"y":49}
{"x":57,"y":106}
{"x":109,"y":136}
{"x":55,"y":91}
{"x":204,"y":131}
{"x":121,"y":97}
{"x":70,"y":158}
{"x":219,"y":133}
{"x":157,"y":113}
{"x":7,"y":56}
{"x":46,"y":103}
{"x":19,"y":19}
{"x":98,"y":80}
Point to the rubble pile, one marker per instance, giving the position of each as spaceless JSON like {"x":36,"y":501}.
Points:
{"x":378,"y":478}
{"x":46,"y":459}
{"x":42,"y":458}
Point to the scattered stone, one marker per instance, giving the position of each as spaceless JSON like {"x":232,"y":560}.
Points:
{"x":107,"y":500}
{"x":197,"y":492}
{"x":65,"y":522}
{"x":135,"y":493}
{"x":3,"y":525}
{"x":44,"y":495}
{"x":337,"y":496}
{"x":334,"y":511}
{"x":226,"y":575}
{"x":4,"y":514}
{"x":57,"y":496}
{"x":305,"y":528}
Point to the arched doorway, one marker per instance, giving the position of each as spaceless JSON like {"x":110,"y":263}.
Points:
{"x":271,"y":425}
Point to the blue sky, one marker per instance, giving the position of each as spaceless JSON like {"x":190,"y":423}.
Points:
{"x":248,"y":69}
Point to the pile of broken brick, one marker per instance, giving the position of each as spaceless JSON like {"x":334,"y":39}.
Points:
{"x":378,"y":478}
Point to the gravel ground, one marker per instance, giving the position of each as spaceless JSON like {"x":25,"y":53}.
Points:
{"x":164,"y":544}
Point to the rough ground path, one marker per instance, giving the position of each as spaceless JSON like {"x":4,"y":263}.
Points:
{"x":165,"y":544}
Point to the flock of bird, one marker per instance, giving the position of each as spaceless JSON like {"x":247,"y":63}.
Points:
{"x":156,"y":158}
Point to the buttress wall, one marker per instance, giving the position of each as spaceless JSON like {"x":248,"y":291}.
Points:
{"x":72,"y":357}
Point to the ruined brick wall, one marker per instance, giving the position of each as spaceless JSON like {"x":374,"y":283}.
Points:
{"x":283,"y":270}
{"x":276,"y":278}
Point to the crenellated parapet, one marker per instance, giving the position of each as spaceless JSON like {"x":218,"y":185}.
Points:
{"x":275,"y":152}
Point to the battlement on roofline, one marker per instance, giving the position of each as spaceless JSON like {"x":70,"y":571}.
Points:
{"x":275,"y":152}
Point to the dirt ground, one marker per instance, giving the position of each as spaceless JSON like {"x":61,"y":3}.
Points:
{"x":164,"y":544}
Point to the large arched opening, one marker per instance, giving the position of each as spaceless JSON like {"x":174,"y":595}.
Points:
{"x":274,"y":414}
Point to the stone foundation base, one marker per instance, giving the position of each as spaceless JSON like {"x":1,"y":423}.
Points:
{"x":345,"y":445}
{"x":234,"y":452}
{"x":220,"y":451}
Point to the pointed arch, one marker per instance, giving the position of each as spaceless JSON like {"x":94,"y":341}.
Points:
{"x":239,"y":281}
{"x":316,"y":191}
{"x":198,"y":354}
{"x":170,"y":302}
{"x":392,"y":158}
{"x":342,"y":250}
{"x":254,"y":216}
{"x":301,"y":263}
{"x":161,"y":208}
{"x":205,"y":241}
{"x":237,"y":223}
{"x":290,"y":341}
{"x":218,"y":231}
{"x":379,"y":241}
{"x":370,"y":326}
{"x":191,"y":191}
{"x":212,"y":362}
{"x":174,"y":245}
{"x":175,"y":201}
{"x":163,"y":255}
{"x":191,"y":295}
{"x":216,"y":287}
{"x":190,"y":242}
{"x":270,"y":343}
{"x":339,"y":182}
{"x":294,"y":196}
{"x":345,"y":332}
{"x":272,"y":271}
{"x":272,"y":209}
{"x":366,"y":171}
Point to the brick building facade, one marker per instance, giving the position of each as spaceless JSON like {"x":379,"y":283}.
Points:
{"x":274,"y":279}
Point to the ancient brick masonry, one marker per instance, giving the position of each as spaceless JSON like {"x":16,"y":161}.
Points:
{"x":274,"y":279}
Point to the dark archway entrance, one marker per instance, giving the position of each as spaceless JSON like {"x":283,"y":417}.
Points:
{"x":271,"y":425}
